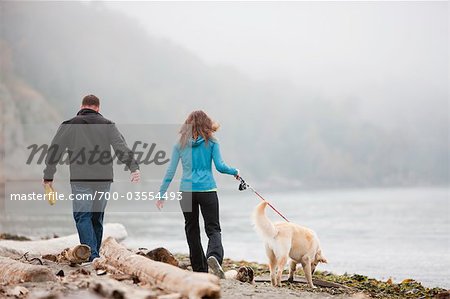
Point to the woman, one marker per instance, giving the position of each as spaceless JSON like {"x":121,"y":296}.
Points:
{"x":197,"y":149}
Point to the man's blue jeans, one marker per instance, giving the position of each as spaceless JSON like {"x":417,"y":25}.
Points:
{"x":88,"y":210}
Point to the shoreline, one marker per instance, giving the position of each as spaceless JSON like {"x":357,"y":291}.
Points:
{"x":77,"y":282}
{"x":357,"y":284}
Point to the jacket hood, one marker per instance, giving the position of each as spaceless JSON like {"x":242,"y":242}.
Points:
{"x":196,"y":142}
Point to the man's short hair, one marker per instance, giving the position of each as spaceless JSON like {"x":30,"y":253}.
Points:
{"x":90,"y":100}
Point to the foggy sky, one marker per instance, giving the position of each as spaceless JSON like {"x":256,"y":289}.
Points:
{"x":388,"y":58}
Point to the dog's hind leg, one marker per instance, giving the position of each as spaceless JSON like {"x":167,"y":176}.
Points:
{"x":272,"y":264}
{"x":280,"y":267}
{"x":306,"y":263}
{"x":292,"y":268}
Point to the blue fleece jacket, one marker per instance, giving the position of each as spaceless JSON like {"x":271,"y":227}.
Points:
{"x":196,"y":158}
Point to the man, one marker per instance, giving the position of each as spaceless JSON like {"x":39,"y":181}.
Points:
{"x":86,"y":141}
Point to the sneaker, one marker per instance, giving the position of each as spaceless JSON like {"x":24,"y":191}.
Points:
{"x":215,"y":268}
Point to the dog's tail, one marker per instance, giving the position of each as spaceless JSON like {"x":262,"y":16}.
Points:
{"x":320,"y":258}
{"x":263,"y":225}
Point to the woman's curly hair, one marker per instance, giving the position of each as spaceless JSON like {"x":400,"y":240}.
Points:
{"x":198,"y":123}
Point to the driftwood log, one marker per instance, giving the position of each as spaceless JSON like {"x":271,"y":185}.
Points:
{"x":57,"y":245}
{"x":78,"y":254}
{"x":12,"y":271}
{"x":5,"y":252}
{"x":165,"y":276}
{"x":317,"y":282}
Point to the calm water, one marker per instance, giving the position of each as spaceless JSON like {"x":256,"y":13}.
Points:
{"x":382,"y":233}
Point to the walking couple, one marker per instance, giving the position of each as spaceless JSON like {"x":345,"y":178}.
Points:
{"x":197,"y":149}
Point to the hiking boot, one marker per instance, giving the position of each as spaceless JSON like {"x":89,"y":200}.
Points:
{"x":215,"y":268}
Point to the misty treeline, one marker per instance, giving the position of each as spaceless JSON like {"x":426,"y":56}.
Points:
{"x":52,"y":54}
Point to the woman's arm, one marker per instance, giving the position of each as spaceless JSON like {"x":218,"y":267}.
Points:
{"x":218,"y":162}
{"x":170,"y":173}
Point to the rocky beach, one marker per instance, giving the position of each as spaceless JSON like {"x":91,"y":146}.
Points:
{"x":87,"y":281}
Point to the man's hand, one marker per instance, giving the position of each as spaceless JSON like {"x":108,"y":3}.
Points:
{"x":50,"y":183}
{"x":159,"y":204}
{"x":135,"y":176}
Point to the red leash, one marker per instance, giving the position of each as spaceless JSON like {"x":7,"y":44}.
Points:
{"x":243,"y":185}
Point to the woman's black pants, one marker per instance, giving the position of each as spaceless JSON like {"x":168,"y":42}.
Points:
{"x":208,"y":204}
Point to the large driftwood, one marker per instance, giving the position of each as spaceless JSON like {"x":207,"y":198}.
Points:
{"x":57,"y":245}
{"x":165,"y":276}
{"x":12,"y":271}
